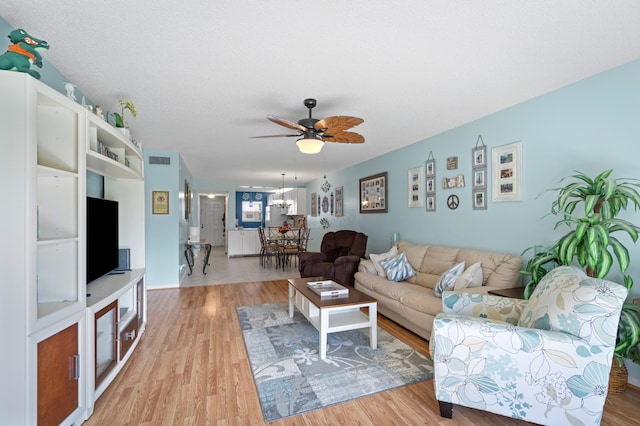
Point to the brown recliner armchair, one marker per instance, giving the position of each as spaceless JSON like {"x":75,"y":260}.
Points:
{"x":339,"y":257}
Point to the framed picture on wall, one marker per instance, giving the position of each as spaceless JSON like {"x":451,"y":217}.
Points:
{"x":414,"y":189}
{"x":373,"y":193}
{"x":480,"y":199}
{"x":187,"y":201}
{"x":339,"y":201}
{"x":159,"y":202}
{"x":507,"y":173}
{"x":314,"y":204}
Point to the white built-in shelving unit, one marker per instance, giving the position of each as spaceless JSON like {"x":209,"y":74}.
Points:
{"x":48,"y":143}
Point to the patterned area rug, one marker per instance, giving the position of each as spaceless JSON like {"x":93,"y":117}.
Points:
{"x":290,"y":376}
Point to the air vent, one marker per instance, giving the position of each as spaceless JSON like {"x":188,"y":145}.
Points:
{"x":160,"y":160}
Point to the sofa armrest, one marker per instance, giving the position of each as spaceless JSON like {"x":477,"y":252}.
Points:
{"x":366,"y":265}
{"x":485,"y":305}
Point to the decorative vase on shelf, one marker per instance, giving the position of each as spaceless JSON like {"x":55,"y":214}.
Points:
{"x":124,"y":131}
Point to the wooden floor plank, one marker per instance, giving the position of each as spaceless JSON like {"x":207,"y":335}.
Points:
{"x":191,"y":368}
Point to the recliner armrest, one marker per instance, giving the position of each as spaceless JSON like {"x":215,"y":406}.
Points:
{"x":346,"y":259}
{"x":307,"y":256}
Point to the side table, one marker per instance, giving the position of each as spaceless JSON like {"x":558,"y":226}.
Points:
{"x":514,"y":293}
{"x":188,"y":254}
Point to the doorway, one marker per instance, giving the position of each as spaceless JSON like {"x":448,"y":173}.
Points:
{"x":212,"y":218}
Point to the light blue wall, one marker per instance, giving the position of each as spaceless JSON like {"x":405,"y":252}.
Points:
{"x":588,"y":126}
{"x":166,"y":234}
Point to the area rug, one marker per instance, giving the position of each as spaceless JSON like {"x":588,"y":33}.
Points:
{"x":290,"y":376}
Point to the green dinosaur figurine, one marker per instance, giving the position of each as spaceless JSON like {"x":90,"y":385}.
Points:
{"x":22,"y":53}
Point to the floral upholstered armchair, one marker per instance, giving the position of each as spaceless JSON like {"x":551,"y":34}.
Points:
{"x":545,"y":360}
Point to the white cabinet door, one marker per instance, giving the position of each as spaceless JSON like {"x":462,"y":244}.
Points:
{"x":250,"y":242}
{"x":301,"y":201}
{"x":234,"y":247}
{"x":243,"y":242}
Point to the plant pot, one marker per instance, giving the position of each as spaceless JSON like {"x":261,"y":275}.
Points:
{"x":618,"y":378}
{"x":124,"y":131}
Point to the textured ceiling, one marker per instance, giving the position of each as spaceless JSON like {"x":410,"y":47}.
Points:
{"x":204,"y":74}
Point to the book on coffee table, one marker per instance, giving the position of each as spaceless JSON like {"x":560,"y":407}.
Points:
{"x":328,"y":288}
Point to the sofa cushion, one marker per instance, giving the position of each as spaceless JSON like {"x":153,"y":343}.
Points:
{"x":471,"y":277}
{"x":567,"y":291}
{"x":414,"y":297}
{"x":376,"y":258}
{"x":448,"y":279}
{"x":397,"y":268}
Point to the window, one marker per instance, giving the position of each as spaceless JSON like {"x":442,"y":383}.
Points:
{"x":252,"y":211}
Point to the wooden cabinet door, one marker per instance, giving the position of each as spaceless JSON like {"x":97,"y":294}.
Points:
{"x":58,"y":376}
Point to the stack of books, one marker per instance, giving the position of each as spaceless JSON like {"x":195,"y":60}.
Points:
{"x":328,"y":289}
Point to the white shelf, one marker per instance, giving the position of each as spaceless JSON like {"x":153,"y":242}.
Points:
{"x":105,"y":289}
{"x":130,"y":161}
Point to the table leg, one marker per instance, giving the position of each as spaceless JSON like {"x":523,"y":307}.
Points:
{"x":292,"y":294}
{"x":207,"y":253}
{"x":324,"y":324}
{"x":373,"y":331}
{"x":188,"y":254}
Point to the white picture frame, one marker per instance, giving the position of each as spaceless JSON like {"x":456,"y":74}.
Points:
{"x":507,"y":173}
{"x":415,"y":181}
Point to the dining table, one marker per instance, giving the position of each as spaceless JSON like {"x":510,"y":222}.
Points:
{"x":287,"y":241}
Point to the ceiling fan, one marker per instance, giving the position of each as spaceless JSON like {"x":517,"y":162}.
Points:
{"x":313,"y":132}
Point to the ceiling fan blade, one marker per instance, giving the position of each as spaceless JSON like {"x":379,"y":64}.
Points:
{"x":343,"y":137}
{"x":337,"y":123}
{"x":286,"y":123}
{"x":275,"y":136}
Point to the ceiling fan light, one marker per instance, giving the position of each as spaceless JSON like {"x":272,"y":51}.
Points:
{"x":310,"y":145}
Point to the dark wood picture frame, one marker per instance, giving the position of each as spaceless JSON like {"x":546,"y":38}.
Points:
{"x":374,"y":193}
{"x":187,"y":201}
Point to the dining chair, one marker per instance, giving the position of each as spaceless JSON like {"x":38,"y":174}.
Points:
{"x":289,"y":246}
{"x":268,"y":249}
{"x":304,"y":239}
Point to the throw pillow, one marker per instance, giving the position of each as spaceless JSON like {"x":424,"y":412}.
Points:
{"x":397,"y":267}
{"x":448,"y":279}
{"x":471,"y":277}
{"x":376,"y":258}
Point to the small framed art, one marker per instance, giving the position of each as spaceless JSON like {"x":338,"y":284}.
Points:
{"x":339,"y":201}
{"x":314,"y":204}
{"x":160,"y":202}
{"x":480,"y":199}
{"x":479,"y":178}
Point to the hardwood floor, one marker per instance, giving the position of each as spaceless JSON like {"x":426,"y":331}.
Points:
{"x":191,"y":368}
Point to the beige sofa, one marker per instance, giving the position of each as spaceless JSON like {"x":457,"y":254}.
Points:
{"x":411,"y":303}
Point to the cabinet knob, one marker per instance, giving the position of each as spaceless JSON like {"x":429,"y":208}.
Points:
{"x":131,"y":335}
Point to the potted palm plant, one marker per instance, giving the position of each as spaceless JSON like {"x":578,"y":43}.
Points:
{"x":590,"y":242}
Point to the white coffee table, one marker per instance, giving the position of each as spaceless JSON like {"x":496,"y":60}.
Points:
{"x":335,"y":314}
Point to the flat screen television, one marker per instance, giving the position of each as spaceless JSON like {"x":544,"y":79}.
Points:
{"x":102,"y":237}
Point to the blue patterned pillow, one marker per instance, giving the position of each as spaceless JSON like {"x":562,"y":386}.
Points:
{"x":397,"y":267}
{"x":448,"y":280}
